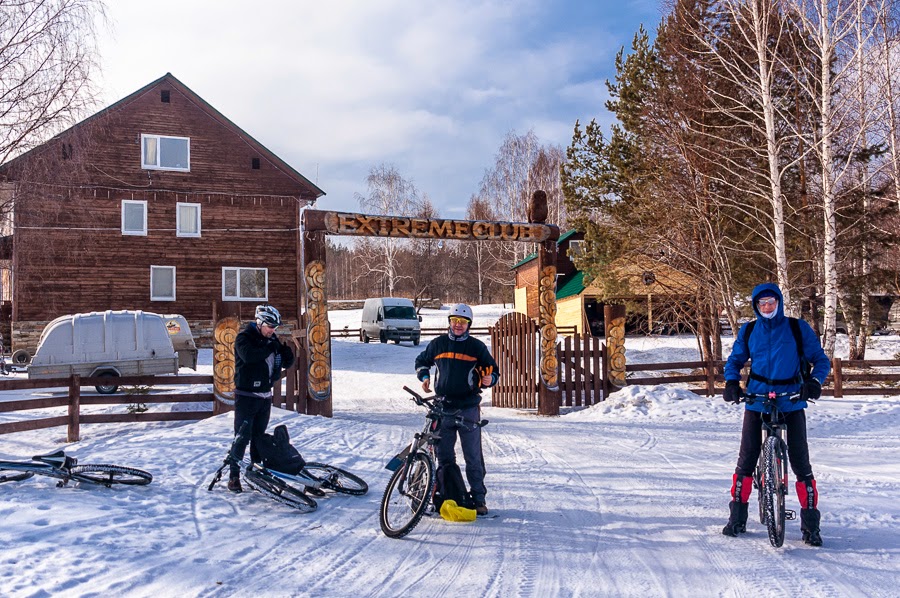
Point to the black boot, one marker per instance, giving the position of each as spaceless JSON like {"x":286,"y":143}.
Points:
{"x":234,"y":482}
{"x":809,"y":526}
{"x":737,"y":519}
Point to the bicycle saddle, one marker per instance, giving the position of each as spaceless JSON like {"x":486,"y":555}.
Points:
{"x":56,"y":458}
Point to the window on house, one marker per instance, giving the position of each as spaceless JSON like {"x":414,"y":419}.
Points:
{"x":245,"y":284}
{"x":162,"y":283}
{"x":187,"y":216}
{"x":576,"y":247}
{"x":134,"y":217}
{"x":165,"y":153}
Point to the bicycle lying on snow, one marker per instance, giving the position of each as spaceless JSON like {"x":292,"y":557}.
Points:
{"x":771,"y":475}
{"x":61,"y":466}
{"x":411,"y":487}
{"x":292,"y":490}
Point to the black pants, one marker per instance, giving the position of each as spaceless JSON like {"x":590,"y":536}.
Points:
{"x":256,"y":411}
{"x":470,"y":441}
{"x":798,"y":447}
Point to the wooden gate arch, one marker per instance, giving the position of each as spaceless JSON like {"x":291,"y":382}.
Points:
{"x":315,"y":224}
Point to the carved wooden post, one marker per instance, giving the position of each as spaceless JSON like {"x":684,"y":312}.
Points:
{"x":548,"y":389}
{"x":318,"y":330}
{"x":614,"y":320}
{"x":74,"y":433}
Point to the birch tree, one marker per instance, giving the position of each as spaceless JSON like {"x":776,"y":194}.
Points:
{"x":48,"y":59}
{"x":388,"y":194}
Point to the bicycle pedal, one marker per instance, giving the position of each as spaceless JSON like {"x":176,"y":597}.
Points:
{"x":790,"y":515}
{"x":314,"y":491}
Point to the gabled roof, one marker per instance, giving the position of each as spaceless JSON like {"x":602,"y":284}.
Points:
{"x":571,"y":285}
{"x":203,"y":105}
{"x":528,"y":258}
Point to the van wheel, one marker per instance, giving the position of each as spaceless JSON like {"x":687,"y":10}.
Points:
{"x":396,"y":341}
{"x":416,"y":341}
{"x":363,"y":336}
{"x":107,"y":389}
{"x":20,"y":357}
{"x":382,"y":337}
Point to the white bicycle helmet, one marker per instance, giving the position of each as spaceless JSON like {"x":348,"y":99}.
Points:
{"x":266,"y":314}
{"x":461,"y":310}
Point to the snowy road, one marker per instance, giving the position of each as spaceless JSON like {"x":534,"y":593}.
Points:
{"x":624,"y":499}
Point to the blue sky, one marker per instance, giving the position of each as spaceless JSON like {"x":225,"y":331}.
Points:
{"x":430,"y":87}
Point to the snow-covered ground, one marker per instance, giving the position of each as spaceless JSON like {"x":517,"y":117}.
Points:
{"x":623,"y":499}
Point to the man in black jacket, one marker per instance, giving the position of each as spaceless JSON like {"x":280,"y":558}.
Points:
{"x":259,"y":358}
{"x":464,"y":366}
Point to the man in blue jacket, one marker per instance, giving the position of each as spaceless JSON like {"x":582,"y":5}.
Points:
{"x":464,"y":367}
{"x":775,"y":367}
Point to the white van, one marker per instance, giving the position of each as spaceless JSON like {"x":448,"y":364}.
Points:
{"x":113,"y":344}
{"x":390,"y":319}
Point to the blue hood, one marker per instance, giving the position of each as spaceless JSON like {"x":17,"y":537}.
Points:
{"x":772,"y":288}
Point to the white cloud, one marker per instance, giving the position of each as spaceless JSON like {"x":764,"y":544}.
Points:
{"x":429,"y":86}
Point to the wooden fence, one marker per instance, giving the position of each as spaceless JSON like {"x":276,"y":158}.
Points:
{"x":73,"y":401}
{"x":474,"y":331}
{"x":845,"y":378}
{"x":582,"y":370}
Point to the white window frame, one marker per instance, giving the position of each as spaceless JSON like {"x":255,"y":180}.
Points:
{"x":156,"y":166}
{"x":160,"y":297}
{"x":576,"y":247}
{"x":178,"y":231}
{"x":238,"y":296}
{"x":143,"y":204}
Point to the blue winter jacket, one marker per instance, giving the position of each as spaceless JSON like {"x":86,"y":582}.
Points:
{"x":773,"y":353}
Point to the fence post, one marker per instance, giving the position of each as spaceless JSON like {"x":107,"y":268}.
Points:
{"x":73,"y":434}
{"x":710,"y":377}
{"x":838,"y":377}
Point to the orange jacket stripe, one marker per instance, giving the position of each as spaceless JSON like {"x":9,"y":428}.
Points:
{"x":459,"y":356}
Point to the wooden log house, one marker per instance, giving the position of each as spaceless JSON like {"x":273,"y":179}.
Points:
{"x":159,"y":203}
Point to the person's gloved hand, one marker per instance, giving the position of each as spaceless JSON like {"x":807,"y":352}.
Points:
{"x":732,"y":392}
{"x":811,"y":390}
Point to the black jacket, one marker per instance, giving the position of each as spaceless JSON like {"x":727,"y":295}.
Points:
{"x":460,"y":366}
{"x":251,"y":349}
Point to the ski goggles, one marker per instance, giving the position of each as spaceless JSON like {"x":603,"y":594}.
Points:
{"x":458,"y":320}
{"x":767,"y":301}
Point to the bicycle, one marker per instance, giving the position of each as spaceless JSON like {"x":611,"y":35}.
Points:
{"x":410,"y":490}
{"x":61,"y":466}
{"x":771,"y":475}
{"x":291,"y":489}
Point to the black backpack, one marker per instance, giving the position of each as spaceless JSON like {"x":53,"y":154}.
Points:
{"x":450,"y":486}
{"x":276,"y":452}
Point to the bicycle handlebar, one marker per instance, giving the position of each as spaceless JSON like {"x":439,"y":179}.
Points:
{"x":759,"y":398}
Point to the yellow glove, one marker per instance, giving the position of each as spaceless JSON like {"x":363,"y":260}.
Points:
{"x":453,"y":512}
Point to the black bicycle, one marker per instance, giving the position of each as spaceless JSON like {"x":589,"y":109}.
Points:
{"x":771,"y":476}
{"x":292,"y":490}
{"x":411,"y":488}
{"x":61,"y":466}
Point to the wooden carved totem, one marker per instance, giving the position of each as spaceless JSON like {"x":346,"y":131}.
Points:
{"x":548,"y":392}
{"x":225,"y":333}
{"x":614,"y":317}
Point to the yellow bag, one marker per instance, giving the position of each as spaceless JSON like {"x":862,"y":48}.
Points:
{"x":453,"y":512}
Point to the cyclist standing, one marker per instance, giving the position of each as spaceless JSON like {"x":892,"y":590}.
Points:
{"x":773,"y":350}
{"x":464,"y":367}
{"x":259,"y":358}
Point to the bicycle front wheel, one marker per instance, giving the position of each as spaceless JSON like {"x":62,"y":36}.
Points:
{"x":107,"y":475}
{"x":13,"y":475}
{"x":407,"y":496}
{"x":279,"y":490}
{"x":774,"y":490}
{"x":336,"y":479}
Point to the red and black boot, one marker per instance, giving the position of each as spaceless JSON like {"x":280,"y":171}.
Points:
{"x":741,"y":487}
{"x":809,"y":513}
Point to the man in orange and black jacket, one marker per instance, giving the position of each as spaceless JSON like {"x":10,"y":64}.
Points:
{"x":464,"y":367}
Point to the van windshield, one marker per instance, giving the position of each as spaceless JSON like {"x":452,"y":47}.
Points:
{"x":399,"y":312}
